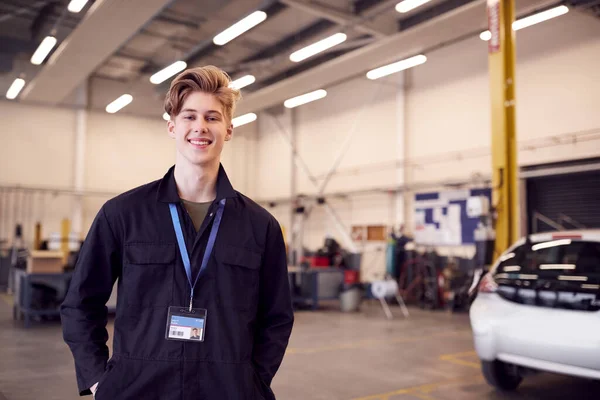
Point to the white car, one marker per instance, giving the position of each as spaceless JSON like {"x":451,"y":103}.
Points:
{"x":539,"y":309}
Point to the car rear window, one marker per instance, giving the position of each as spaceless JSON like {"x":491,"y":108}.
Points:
{"x":564,"y":257}
{"x":562,"y":273}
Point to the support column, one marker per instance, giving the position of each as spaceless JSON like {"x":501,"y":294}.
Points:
{"x":407,"y":195}
{"x":79,"y":162}
{"x":293,"y":168}
{"x":501,"y":15}
{"x":401,"y":151}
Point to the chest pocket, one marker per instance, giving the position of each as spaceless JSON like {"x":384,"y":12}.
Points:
{"x":148,"y":274}
{"x":238,"y":277}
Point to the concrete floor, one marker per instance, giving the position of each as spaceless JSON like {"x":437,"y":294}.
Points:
{"x":331,"y":356}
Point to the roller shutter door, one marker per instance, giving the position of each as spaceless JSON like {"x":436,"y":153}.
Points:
{"x":568,"y":199}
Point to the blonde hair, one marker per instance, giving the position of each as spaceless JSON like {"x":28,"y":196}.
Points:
{"x":208,"y":79}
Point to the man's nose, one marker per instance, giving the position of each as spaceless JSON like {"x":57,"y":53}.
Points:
{"x":201,"y":125}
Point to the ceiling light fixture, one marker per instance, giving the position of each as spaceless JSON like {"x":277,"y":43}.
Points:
{"x":240,"y":27}
{"x":407,"y":5}
{"x":485,"y":36}
{"x":318,"y":47}
{"x":243,"y":119}
{"x":531,"y":20}
{"x":15,"y":88}
{"x":43,"y":50}
{"x":305,"y":98}
{"x":76,"y":5}
{"x":168,"y":72}
{"x":119,"y":103}
{"x":396,"y":67}
{"x":242,"y":82}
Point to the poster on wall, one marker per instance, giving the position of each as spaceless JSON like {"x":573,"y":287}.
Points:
{"x":442,"y":218}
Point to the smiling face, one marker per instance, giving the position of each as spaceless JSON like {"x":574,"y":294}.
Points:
{"x":200,"y":130}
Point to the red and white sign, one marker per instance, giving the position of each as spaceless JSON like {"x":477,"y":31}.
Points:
{"x":493,"y":9}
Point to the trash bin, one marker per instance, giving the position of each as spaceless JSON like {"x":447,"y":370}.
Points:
{"x":350,"y":298}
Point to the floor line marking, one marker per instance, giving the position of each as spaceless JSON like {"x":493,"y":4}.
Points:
{"x":422,"y":389}
{"x":456,"y":359}
{"x":8,"y":299}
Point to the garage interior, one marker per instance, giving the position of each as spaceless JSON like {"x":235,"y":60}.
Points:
{"x":409,"y":164}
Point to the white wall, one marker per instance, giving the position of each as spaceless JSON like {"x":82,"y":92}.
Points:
{"x":121,"y":152}
{"x":557,"y":85}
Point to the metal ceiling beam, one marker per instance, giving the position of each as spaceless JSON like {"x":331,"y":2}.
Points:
{"x":89,"y":45}
{"x":339,"y":17}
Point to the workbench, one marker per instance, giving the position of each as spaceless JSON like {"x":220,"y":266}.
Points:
{"x":310,"y":285}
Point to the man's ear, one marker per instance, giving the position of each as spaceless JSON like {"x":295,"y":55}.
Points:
{"x":171,"y":129}
{"x":229,"y":133}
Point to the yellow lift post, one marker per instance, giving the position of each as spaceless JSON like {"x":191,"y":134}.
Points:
{"x":501,"y":15}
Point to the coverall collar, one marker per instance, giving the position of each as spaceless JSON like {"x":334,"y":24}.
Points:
{"x":167,"y":189}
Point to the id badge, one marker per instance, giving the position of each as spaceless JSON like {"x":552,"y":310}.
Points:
{"x":186,"y":325}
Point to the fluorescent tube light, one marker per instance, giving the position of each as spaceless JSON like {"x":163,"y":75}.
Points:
{"x":119,"y":103}
{"x":168,"y":72}
{"x":43,"y":50}
{"x":14,"y":89}
{"x":240,"y":27}
{"x":512,"y":268}
{"x":531,"y":20}
{"x":396,"y":67}
{"x":318,"y":47}
{"x":76,"y":5}
{"x":166,"y":117}
{"x":540,"y":17}
{"x":305,"y":98}
{"x":242,"y":82}
{"x":553,"y":243}
{"x":407,"y":5}
{"x":243,"y":119}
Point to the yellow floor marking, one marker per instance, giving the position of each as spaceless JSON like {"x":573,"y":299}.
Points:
{"x":456,"y":359}
{"x":422,"y":396}
{"x":370,"y":343}
{"x":422,"y":391}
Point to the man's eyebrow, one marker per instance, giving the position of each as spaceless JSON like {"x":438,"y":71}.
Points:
{"x":195,"y":111}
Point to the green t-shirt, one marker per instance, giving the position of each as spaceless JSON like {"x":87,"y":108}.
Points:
{"x":197,"y":212}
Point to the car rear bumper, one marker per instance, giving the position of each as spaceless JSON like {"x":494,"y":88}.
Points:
{"x":562,"y":341}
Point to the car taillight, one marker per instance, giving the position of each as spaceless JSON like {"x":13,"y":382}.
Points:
{"x":488,"y":284}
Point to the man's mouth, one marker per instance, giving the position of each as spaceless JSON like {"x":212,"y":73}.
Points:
{"x":200,"y":142}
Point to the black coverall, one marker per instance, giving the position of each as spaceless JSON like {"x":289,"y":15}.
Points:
{"x":244,"y":289}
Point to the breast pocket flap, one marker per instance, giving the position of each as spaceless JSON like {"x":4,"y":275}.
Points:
{"x":150,"y":253}
{"x":240,"y":256}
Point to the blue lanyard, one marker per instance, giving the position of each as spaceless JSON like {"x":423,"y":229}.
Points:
{"x":183,"y":250}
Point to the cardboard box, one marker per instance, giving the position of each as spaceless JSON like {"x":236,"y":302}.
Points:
{"x":45,"y":262}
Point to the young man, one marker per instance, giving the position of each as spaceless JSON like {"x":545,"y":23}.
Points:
{"x":187,"y":251}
